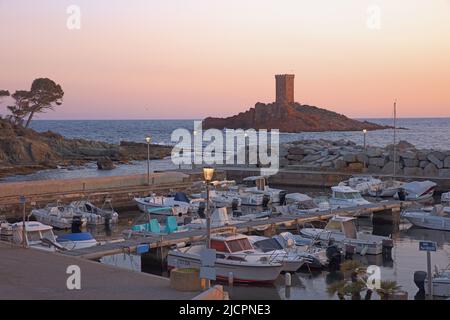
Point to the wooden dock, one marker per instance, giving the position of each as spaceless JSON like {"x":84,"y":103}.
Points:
{"x":156,"y":240}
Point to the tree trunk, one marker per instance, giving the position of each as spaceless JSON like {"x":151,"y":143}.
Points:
{"x":29,"y":119}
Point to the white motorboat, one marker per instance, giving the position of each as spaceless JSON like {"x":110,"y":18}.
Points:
{"x":386,"y":189}
{"x":219,"y":218}
{"x":228,"y":199}
{"x":417,"y":191}
{"x":435,"y":219}
{"x":361,"y":183}
{"x":58,"y":216}
{"x":95,"y":215}
{"x":342,"y":231}
{"x":80,"y":240}
{"x":258,"y":184}
{"x":291,"y":261}
{"x":147,"y":203}
{"x":41,"y":236}
{"x":344,"y":196}
{"x":445,"y":201}
{"x":440,"y":283}
{"x":299,"y":203}
{"x":37,"y":235}
{"x":235,"y":256}
{"x":253,"y":199}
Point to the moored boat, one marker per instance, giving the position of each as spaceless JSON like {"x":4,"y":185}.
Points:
{"x":235,"y":256}
{"x":436,"y":219}
{"x":342,"y":231}
{"x":344,"y":196}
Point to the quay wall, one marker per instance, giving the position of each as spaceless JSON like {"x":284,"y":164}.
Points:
{"x":120,"y":189}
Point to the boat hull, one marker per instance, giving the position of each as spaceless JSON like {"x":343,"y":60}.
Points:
{"x":429,"y":222}
{"x":242,"y":272}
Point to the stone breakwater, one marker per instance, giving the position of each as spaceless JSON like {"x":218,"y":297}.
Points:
{"x":347,"y":156}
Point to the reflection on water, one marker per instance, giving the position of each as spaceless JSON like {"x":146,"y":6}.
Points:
{"x":406,"y":259}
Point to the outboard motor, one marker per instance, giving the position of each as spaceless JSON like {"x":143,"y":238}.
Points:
{"x":76,"y":224}
{"x":234,"y":204}
{"x":201,"y":210}
{"x":388,"y":244}
{"x":187,"y":220}
{"x":334,"y":257}
{"x":349,"y":251}
{"x":266,"y":200}
{"x":419,"y":279}
{"x":237,"y":213}
{"x":401,"y":194}
{"x":282,"y":196}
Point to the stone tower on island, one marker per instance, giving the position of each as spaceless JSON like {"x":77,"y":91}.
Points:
{"x":284,"y":88}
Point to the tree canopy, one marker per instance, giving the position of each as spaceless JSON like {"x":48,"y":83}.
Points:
{"x":44,"y":95}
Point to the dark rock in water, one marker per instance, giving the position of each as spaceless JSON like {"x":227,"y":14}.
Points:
{"x":105,"y":164}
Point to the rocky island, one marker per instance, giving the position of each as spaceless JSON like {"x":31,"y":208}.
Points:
{"x":289,"y":116}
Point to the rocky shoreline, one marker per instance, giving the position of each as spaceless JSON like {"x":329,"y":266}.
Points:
{"x":23,"y":151}
{"x":347,"y":156}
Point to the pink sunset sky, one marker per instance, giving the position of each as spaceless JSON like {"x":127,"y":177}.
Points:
{"x":181,"y":59}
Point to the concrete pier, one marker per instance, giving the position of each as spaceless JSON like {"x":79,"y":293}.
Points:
{"x":34,"y":274}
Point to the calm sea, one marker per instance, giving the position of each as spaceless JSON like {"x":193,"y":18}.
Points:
{"x":424,"y":133}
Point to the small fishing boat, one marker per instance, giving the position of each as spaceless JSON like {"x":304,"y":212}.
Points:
{"x":299,"y":203}
{"x":417,"y":191}
{"x":219,"y":218}
{"x":178,"y":203}
{"x":235,"y":256}
{"x":342,"y":231}
{"x":386,"y":189}
{"x":440,"y":283}
{"x":40,"y":236}
{"x":344,"y":196}
{"x":315,"y":255}
{"x":291,"y":261}
{"x":226,"y":199}
{"x":95,"y":215}
{"x":361,"y":183}
{"x":435,"y":219}
{"x":445,"y":201}
{"x":58,"y":216}
{"x":72,"y":241}
{"x":258,"y":184}
{"x":37,"y":235}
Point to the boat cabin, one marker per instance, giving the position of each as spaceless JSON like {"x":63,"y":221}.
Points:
{"x":344,"y":225}
{"x":255,"y":181}
{"x":345,"y":193}
{"x":34,"y":233}
{"x":231,"y":243}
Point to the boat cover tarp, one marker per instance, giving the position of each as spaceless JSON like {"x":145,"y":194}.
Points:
{"x":82,"y":236}
{"x":445,"y":197}
{"x":181,"y":196}
{"x":418,"y":187}
{"x":298,"y":197}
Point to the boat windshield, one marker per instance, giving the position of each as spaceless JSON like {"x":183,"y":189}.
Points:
{"x":48,"y":234}
{"x":333,"y":225}
{"x":347,"y":195}
{"x":33,"y":236}
{"x":267,"y":245}
{"x":239,"y":245}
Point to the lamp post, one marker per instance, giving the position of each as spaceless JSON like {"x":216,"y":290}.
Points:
{"x":148,"y":139}
{"x":208,"y":173}
{"x":365,"y":132}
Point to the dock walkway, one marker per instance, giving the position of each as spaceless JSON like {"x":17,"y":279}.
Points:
{"x":34,"y":274}
{"x":155,"y":241}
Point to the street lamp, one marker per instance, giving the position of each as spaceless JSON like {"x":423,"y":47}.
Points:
{"x":148,"y":139}
{"x":208,"y":173}
{"x":365,"y":132}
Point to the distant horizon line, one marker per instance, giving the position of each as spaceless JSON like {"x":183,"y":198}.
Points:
{"x":194,"y":119}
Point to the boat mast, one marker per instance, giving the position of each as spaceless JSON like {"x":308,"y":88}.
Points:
{"x":395,"y":133}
